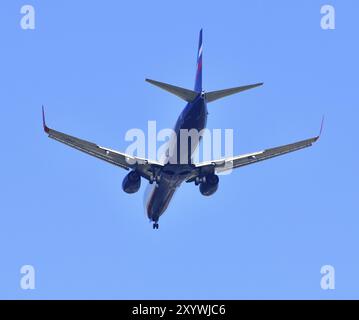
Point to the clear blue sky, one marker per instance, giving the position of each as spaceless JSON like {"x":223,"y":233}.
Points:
{"x":270,"y":227}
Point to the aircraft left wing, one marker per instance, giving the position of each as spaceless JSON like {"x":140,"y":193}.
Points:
{"x":146,"y":168}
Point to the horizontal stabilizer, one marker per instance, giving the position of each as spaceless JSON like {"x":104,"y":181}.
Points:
{"x":185,"y":94}
{"x":215,"y":95}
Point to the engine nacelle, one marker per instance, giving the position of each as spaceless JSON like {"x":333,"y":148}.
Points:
{"x":210,"y":185}
{"x":132,"y":182}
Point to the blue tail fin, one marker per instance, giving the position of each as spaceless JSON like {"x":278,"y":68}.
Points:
{"x":198,"y":82}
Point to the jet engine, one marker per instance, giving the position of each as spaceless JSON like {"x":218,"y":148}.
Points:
{"x":210,"y":185}
{"x":132,"y":182}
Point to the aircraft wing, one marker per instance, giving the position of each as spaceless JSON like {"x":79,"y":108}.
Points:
{"x":225,"y":164}
{"x":145,"y":167}
{"x":246,"y":159}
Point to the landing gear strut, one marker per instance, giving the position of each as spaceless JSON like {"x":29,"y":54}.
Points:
{"x":155,"y":177}
{"x":155,"y":225}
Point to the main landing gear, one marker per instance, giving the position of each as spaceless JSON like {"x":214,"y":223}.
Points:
{"x":155,"y":225}
{"x":154,"y":178}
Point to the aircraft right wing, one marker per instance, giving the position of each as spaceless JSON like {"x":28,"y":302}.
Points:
{"x":246,"y":159}
{"x":242,"y":160}
{"x":146,"y":168}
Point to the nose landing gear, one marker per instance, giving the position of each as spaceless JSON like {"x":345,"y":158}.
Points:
{"x":155,"y":225}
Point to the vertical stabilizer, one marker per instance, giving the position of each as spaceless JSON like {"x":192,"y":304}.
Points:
{"x":198,"y":81}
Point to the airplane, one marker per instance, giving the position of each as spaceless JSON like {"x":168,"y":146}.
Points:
{"x":166,"y":176}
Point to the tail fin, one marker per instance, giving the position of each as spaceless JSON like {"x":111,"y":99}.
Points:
{"x":191,"y":95}
{"x":198,"y":81}
{"x":215,"y":95}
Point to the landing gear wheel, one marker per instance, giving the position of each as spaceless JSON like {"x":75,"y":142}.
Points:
{"x":155,"y":179}
{"x":155,"y":225}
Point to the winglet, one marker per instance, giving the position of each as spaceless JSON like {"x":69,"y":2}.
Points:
{"x":46,"y":129}
{"x":321,"y":129}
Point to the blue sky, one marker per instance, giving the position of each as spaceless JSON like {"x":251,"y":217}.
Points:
{"x":269,"y":228}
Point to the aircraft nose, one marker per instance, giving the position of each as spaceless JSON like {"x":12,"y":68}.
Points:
{"x":153,"y":212}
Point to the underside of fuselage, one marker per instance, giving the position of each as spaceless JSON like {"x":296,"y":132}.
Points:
{"x":177,"y":168}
